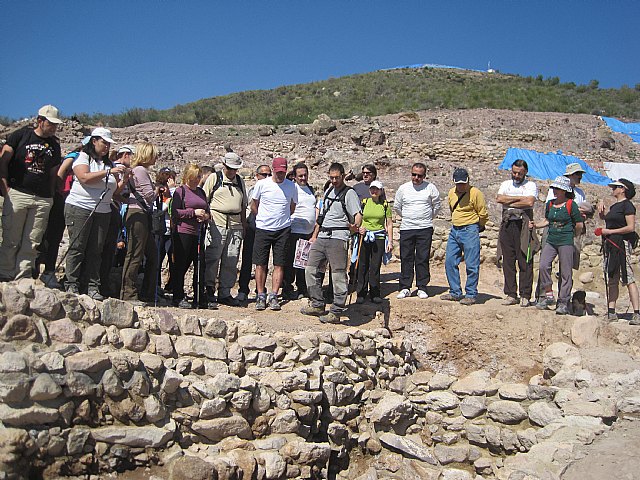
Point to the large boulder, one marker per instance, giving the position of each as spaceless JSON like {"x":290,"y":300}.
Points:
{"x":559,"y":356}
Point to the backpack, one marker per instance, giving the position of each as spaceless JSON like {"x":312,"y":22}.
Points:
{"x":385,"y":204}
{"x":568,"y":205}
{"x":218,"y":184}
{"x":171,"y":207}
{"x":326,"y":206}
{"x":68,"y":179}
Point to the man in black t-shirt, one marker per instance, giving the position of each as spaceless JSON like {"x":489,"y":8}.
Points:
{"x":28,"y":167}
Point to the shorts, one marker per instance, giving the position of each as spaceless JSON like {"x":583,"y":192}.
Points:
{"x":266,"y":240}
{"x":630,"y":278}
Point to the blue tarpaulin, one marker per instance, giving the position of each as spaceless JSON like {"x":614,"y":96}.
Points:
{"x":547,"y":166}
{"x":631,"y":129}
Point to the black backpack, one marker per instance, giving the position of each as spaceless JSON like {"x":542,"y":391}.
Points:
{"x":327,"y":203}
{"x":218,"y":184}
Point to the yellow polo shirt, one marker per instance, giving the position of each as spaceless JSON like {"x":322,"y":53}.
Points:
{"x":471,"y":209}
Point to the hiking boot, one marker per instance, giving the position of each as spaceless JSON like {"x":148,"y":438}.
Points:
{"x":290,"y":295}
{"x":314,"y":311}
{"x":525,"y":302}
{"x":330,"y":317}
{"x":208,"y":306}
{"x":510,"y":301}
{"x":181,"y":304}
{"x":450,"y":297}
{"x":274,"y":304}
{"x":50,"y":281}
{"x":468,"y":301}
{"x":613,"y":317}
{"x":96,"y":295}
{"x":404,"y":293}
{"x":562,"y":309}
{"x":541,"y":304}
{"x":211,"y":296}
{"x":422,"y":294}
{"x":360,"y":300}
{"x":377,"y":300}
{"x":241,"y":297}
{"x":635,"y":319}
{"x":261,"y":302}
{"x":229,"y":301}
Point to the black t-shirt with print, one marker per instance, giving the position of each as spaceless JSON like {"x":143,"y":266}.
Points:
{"x":616,"y":218}
{"x":33,"y":159}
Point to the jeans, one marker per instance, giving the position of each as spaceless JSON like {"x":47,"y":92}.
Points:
{"x":24,"y":221}
{"x":335,"y":252}
{"x":463,"y":240}
{"x":415,"y":251}
{"x":87,"y":234}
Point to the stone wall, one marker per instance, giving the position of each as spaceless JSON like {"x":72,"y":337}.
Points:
{"x":91,"y":387}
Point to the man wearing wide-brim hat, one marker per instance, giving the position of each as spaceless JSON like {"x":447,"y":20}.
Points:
{"x":227,"y":198}
{"x":574,"y":172}
{"x":29,"y":164}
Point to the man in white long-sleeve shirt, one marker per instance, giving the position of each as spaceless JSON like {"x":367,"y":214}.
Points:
{"x":418,"y":203}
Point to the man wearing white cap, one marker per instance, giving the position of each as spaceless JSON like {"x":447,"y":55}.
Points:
{"x":28,"y":169}
{"x":227,"y":199}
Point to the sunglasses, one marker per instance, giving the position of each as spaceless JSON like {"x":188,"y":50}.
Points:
{"x":264,"y":174}
{"x":367,"y":173}
{"x":418,"y":175}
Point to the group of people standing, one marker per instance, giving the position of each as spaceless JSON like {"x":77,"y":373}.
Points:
{"x":113,"y":208}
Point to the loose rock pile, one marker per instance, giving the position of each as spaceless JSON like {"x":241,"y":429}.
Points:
{"x":94,"y":387}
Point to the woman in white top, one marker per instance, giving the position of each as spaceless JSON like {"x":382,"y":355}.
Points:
{"x":87,"y":211}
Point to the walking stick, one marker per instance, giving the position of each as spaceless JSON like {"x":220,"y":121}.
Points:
{"x":605,"y":265}
{"x":355,"y":269}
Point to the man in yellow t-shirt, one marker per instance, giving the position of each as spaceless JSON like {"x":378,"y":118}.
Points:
{"x":468,"y":217}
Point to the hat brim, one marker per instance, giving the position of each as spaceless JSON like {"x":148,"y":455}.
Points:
{"x":233,"y":167}
{"x":54,"y":120}
{"x":279,"y":169}
{"x":561,"y":187}
{"x":617,"y":184}
{"x":461,"y":181}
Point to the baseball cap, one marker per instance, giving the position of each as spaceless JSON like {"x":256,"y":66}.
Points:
{"x":279,"y":164}
{"x":51,"y":113}
{"x":232,"y":160}
{"x":573,"y":168}
{"x":99,"y":132}
{"x":460,"y":175}
{"x":377,"y":184}
{"x":127,"y":149}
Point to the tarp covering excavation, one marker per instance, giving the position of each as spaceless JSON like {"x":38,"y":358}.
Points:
{"x":547,"y":166}
{"x":631,"y":129}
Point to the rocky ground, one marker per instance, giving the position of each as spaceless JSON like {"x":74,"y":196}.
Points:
{"x":507,"y":343}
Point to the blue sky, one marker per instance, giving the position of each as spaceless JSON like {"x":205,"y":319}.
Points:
{"x":89,"y":56}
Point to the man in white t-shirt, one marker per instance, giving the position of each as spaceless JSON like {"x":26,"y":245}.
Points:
{"x":517,"y":197}
{"x":273,"y":201}
{"x":418,"y":203}
{"x":303,"y":222}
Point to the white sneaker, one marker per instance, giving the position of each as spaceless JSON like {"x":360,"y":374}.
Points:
{"x":241,"y":297}
{"x":50,"y":281}
{"x":404,"y":293}
{"x":422,"y":294}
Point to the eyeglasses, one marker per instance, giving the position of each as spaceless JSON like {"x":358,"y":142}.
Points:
{"x":419,"y":175}
{"x":263,"y":174}
{"x":331,"y":177}
{"x":367,"y":173}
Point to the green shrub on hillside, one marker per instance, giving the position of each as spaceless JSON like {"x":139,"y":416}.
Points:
{"x":391,"y":91}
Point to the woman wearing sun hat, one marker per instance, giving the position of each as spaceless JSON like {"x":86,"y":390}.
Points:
{"x":619,"y":234}
{"x":87,"y":211}
{"x":565,"y":222}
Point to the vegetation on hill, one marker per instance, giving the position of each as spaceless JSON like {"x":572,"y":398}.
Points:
{"x":391,"y":91}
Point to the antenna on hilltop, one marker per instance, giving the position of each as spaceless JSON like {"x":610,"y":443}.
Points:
{"x":489,"y":69}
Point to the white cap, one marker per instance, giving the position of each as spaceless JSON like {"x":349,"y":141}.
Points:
{"x":127,"y":149}
{"x":99,"y":132}
{"x":377,"y":184}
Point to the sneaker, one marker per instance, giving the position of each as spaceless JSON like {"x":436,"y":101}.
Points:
{"x":302,"y":296}
{"x":541,"y":304}
{"x":274,"y":304}
{"x":404,"y":293}
{"x":50,"y":281}
{"x":72,"y":289}
{"x":635,"y":319}
{"x":468,"y":301}
{"x":360,"y":300}
{"x":241,"y":297}
{"x":525,"y":302}
{"x":208,"y":306}
{"x":510,"y":301}
{"x":450,"y":298}
{"x":562,"y":309}
{"x":182,"y":304}
{"x":229,"y":301}
{"x":96,"y":295}
{"x":422,"y":294}
{"x":314,"y":311}
{"x":330,"y":317}
{"x":376,"y":300}
{"x":261,"y":302}
{"x":613,"y":317}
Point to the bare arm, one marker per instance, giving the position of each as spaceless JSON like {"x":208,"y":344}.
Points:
{"x":515,"y":201}
{"x":254,"y":206}
{"x":389,"y":225}
{"x":628,"y":228}
{"x":84,"y":176}
{"x":5,"y":156}
{"x":579,"y":228}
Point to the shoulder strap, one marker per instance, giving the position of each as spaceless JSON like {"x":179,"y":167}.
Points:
{"x":458,"y":202}
{"x":216,"y":185}
{"x":139,"y":198}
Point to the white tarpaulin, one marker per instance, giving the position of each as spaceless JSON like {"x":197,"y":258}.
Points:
{"x":630,"y":171}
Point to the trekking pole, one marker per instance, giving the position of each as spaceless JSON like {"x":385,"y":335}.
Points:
{"x":86,"y":222}
{"x":605,"y":264}
{"x":529,"y":245}
{"x":355,"y":269}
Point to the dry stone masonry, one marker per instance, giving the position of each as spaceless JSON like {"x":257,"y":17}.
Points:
{"x":89,"y":388}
